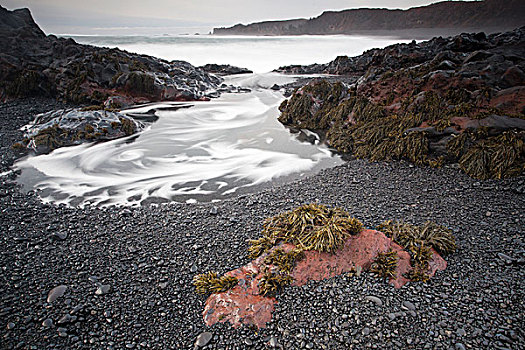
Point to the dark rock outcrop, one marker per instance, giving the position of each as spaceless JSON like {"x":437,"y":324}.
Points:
{"x":73,"y":127}
{"x":33,"y":64}
{"x":458,"y":99}
{"x":224,"y":69}
{"x":446,"y":17}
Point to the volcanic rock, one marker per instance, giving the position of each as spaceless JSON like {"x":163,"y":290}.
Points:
{"x":409,"y":101}
{"x":224,"y":69}
{"x":74,"y":126}
{"x":33,"y":64}
{"x":243,"y":304}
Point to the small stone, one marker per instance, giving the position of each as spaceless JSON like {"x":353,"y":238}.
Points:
{"x":56,"y":293}
{"x":366,"y":331}
{"x":103,"y":289}
{"x":374,"y":299}
{"x":65,"y":319}
{"x":273,"y":342}
{"x":409,"y":305}
{"x":47,"y":323}
{"x":203,"y":339}
{"x":505,"y":257}
{"x":248,"y":342}
{"x":461,"y":332}
{"x":214,"y":210}
{"x":193,"y":268}
{"x":93,"y":278}
{"x":459,"y":346}
{"x":59,"y":235}
{"x":10,"y":325}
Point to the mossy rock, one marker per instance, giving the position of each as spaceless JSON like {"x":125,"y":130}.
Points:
{"x":352,"y":124}
{"x":26,"y":83}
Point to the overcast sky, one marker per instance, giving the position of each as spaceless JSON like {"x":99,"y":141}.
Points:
{"x":178,"y":16}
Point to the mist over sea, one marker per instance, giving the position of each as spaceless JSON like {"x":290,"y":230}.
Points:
{"x":258,"y":53}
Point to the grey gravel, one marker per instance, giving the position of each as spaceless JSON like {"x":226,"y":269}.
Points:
{"x":479,"y":291}
{"x":408,"y":305}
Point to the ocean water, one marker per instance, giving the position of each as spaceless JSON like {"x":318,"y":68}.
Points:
{"x":258,"y":53}
{"x":208,"y":152}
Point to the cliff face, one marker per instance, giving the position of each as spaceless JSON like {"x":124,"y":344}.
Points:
{"x":489,"y":15}
{"x":291,"y":27}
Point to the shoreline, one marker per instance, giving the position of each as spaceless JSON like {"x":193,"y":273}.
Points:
{"x":148,"y":256}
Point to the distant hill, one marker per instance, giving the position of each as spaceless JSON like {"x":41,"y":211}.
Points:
{"x":444,"y":17}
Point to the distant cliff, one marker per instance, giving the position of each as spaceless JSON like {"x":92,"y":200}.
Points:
{"x":488,"y":15}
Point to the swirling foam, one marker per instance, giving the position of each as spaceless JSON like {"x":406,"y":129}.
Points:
{"x":203,"y":153}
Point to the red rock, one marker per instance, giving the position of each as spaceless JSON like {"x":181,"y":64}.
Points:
{"x":513,"y":77}
{"x":511,"y":101}
{"x":244,"y":305}
{"x":241,"y":304}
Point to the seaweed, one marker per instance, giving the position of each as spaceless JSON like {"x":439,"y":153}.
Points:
{"x":25,"y":83}
{"x":273,"y":282}
{"x":313,"y":227}
{"x":139,"y":83}
{"x":128,"y":126}
{"x":385,"y":139}
{"x":495,"y":157}
{"x":411,"y":236}
{"x":285,"y":261}
{"x":419,"y":241}
{"x":259,"y":246}
{"x":354,"y":124}
{"x":418,"y":274}
{"x":210,"y":282}
{"x":385,"y":264}
{"x":89,"y":128}
{"x":49,"y":137}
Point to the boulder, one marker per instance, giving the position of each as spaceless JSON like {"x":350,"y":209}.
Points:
{"x":73,"y":127}
{"x":242,"y":305}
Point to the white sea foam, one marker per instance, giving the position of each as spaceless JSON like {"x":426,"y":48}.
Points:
{"x":203,"y":153}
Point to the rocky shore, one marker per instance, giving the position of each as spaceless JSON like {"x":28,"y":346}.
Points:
{"x":33,"y":64}
{"x":447,"y":100}
{"x":121,"y":278}
{"x":128,"y":272}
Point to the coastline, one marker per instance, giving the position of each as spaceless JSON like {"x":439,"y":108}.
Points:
{"x":148,"y":256}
